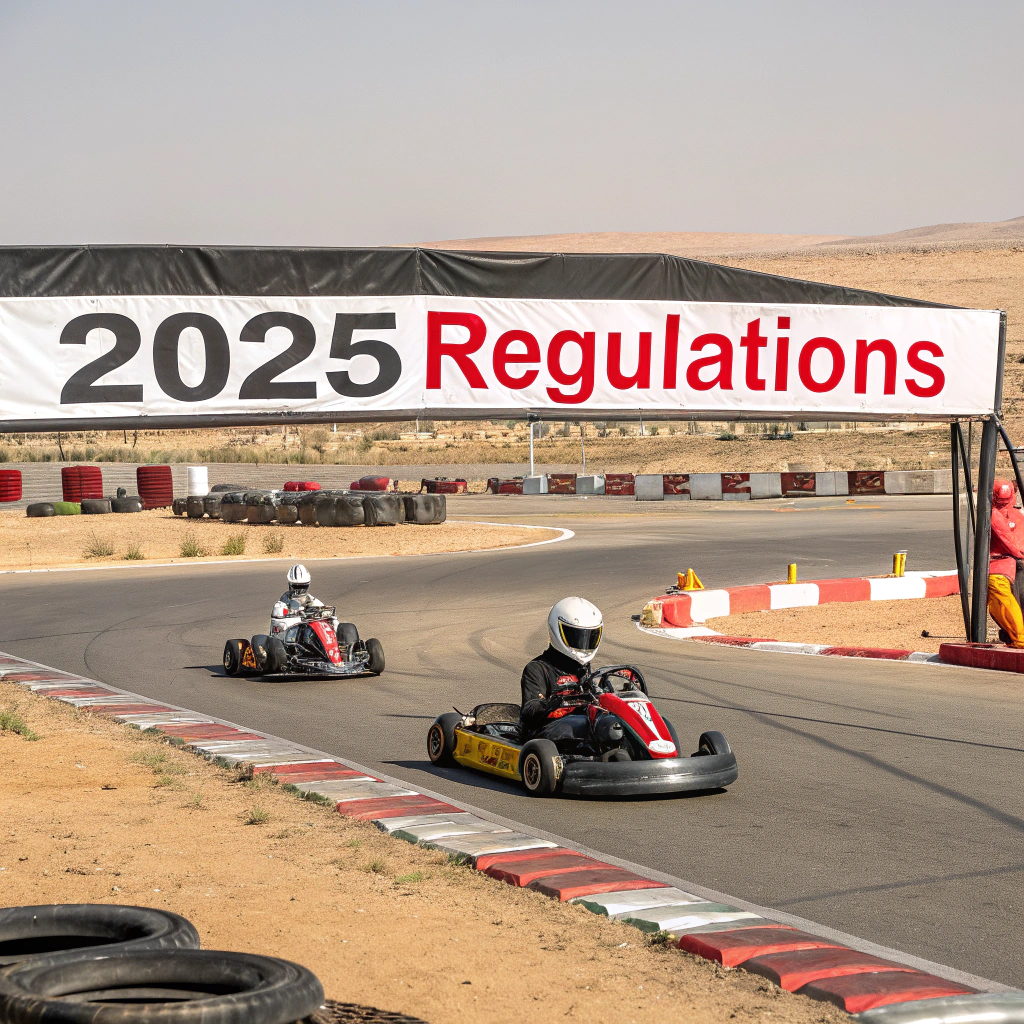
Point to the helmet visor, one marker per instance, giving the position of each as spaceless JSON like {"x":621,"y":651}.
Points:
{"x":580,"y":638}
{"x":299,"y":588}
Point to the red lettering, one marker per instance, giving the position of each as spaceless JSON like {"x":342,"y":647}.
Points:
{"x":860,"y":372}
{"x":460,"y":351}
{"x":804,"y":364}
{"x":671,"y":348}
{"x":782,"y":361}
{"x":584,"y":376}
{"x":753,"y":341}
{"x":723,"y":378}
{"x":642,"y":377}
{"x":502,"y":359}
{"x":918,"y":365}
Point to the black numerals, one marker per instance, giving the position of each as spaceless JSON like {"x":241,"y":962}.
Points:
{"x":165,"y":357}
{"x":260,"y":383}
{"x":389,"y":362}
{"x":82,"y":386}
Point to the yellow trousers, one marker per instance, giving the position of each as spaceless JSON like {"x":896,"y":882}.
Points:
{"x":1003,"y":607}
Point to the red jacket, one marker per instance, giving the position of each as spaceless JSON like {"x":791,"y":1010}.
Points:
{"x":1007,"y":541}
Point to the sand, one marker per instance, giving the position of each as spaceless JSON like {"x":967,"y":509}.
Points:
{"x":66,"y":541}
{"x":892,"y":624}
{"x":94,"y":811}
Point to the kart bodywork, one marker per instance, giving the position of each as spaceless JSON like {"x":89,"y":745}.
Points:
{"x":631,"y":749}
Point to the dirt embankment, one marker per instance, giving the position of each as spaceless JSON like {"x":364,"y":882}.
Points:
{"x":140,"y":537}
{"x":93,"y":811}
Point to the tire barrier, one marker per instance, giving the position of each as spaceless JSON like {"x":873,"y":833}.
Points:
{"x":67,"y":508}
{"x":155,"y":486}
{"x":41,"y":509}
{"x":260,"y":515}
{"x":341,"y":510}
{"x":287,"y":514}
{"x":95,"y":506}
{"x":170,"y":986}
{"x":425,"y":509}
{"x":129,"y":504}
{"x":10,"y":485}
{"x":179,"y":506}
{"x":443,"y":485}
{"x":371,"y":483}
{"x":195,"y":506}
{"x":78,"y":482}
{"x":384,"y":509}
{"x":96,"y":929}
{"x":221,"y":488}
{"x":211,"y":505}
{"x":233,"y":513}
{"x":302,"y":485}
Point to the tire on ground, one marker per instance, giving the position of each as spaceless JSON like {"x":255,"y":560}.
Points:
{"x":67,"y":508}
{"x":277,"y":656}
{"x":172,"y":986}
{"x":349,"y":510}
{"x":424,"y":508}
{"x":41,"y":509}
{"x":324,"y":511}
{"x":712,"y":742}
{"x":132,"y":504}
{"x":441,"y":740}
{"x":222,"y":488}
{"x":95,"y":506}
{"x":537,"y":767}
{"x":211,"y":505}
{"x":287,"y":513}
{"x":179,"y":506}
{"x":261,"y":514}
{"x":195,"y":507}
{"x":232,"y":659}
{"x":376,"y":652}
{"x":30,"y":933}
{"x":384,"y":509}
{"x":307,"y":515}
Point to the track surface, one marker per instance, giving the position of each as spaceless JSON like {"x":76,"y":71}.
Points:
{"x":886,"y":800}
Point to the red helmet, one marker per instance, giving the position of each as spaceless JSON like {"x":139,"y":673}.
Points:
{"x":1002,"y":493}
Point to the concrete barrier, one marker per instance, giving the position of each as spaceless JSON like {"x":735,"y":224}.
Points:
{"x":590,"y":485}
{"x":706,"y":486}
{"x":649,"y":487}
{"x":535,"y":485}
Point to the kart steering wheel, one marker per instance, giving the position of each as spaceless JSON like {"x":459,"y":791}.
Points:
{"x":617,"y":678}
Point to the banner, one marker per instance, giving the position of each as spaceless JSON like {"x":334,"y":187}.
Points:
{"x":185,"y":360}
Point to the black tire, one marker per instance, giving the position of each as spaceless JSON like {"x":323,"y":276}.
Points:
{"x":383,"y":509}
{"x":537,"y":767}
{"x":195,"y":507}
{"x":181,"y":986}
{"x":424,"y":508}
{"x":95,"y":929}
{"x":41,"y":509}
{"x":233,"y":656}
{"x":178,"y":506}
{"x":287,"y":514}
{"x":712,"y":742}
{"x":441,"y":740}
{"x":277,"y":656}
{"x":95,"y":506}
{"x":347,"y":633}
{"x":132,"y":504}
{"x":260,"y":515}
{"x":376,"y":653}
{"x":259,"y":649}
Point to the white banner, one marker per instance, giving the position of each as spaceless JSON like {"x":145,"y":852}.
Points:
{"x":233,"y":357}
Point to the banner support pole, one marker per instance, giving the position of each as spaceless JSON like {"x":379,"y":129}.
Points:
{"x":983,"y":530}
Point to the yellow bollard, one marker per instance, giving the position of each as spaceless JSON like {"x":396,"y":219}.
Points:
{"x":791,"y":576}
{"x":899,"y":563}
{"x":689,"y":580}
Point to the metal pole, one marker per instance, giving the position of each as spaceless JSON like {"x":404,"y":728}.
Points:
{"x":583,"y":449}
{"x":983,"y":531}
{"x":955,"y":442}
{"x":531,"y":447}
{"x":965,"y":458}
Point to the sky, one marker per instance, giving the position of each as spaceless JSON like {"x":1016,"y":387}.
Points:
{"x":389,"y":122}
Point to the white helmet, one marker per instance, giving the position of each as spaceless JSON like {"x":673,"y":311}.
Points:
{"x":575,"y":628}
{"x":299,"y":578}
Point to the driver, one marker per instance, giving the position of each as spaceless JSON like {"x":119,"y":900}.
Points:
{"x":574,"y":630}
{"x":288,"y":610}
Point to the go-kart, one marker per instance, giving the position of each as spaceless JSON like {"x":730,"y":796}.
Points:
{"x":310,"y":647}
{"x":618,"y":744}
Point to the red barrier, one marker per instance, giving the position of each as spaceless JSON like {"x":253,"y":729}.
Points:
{"x":619,"y":483}
{"x":371,"y":483}
{"x":10,"y":485}
{"x":675,"y":483}
{"x":796,"y":969}
{"x":865,"y":482}
{"x":569,"y":885}
{"x":735,"y":483}
{"x":856,"y":993}
{"x":442,"y":485}
{"x":558,"y":862}
{"x":561,"y":483}
{"x":156,"y":488}
{"x":993,"y":656}
{"x":78,"y":482}
{"x":796,"y":485}
{"x":302,"y":485}
{"x":731,"y":948}
{"x":394,"y":807}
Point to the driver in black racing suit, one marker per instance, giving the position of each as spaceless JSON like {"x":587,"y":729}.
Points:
{"x":548,"y":682}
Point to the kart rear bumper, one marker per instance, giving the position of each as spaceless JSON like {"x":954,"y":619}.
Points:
{"x":646,"y":778}
{"x":323,"y":669}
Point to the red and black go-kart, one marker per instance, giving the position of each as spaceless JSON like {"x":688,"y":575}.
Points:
{"x":622,"y":747}
{"x":308,"y":648}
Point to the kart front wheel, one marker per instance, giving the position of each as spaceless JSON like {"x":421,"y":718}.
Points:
{"x":376,"y":653}
{"x":537,"y":764}
{"x":441,"y":740}
{"x":277,"y":656}
{"x":712,"y":742}
{"x":233,"y":656}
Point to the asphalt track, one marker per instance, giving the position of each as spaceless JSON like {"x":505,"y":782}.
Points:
{"x":882,"y":799}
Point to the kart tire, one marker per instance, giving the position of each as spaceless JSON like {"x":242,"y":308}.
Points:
{"x":376,"y":653}
{"x":41,"y":509}
{"x":277,"y":656}
{"x":441,"y":740}
{"x":675,"y":736}
{"x":195,"y":507}
{"x":712,"y":742}
{"x":179,"y":506}
{"x":170,"y":986}
{"x":537,"y":767}
{"x":347,"y":633}
{"x":95,"y":506}
{"x":211,"y":505}
{"x":131,"y":504}
{"x":233,"y":657}
{"x":287,"y":514}
{"x":67,"y":508}
{"x":259,"y":649}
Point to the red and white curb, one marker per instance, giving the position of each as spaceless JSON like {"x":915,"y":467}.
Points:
{"x":797,"y":955}
{"x":680,"y":615}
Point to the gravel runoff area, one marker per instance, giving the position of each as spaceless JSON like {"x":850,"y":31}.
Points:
{"x":96,"y":811}
{"x":157,"y":535}
{"x":890,"y":624}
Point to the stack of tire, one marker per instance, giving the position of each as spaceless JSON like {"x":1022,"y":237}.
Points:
{"x":10,"y":485}
{"x":155,"y":486}
{"x":89,"y":962}
{"x":82,"y":489}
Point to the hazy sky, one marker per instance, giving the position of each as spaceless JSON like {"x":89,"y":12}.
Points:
{"x":382,"y":122}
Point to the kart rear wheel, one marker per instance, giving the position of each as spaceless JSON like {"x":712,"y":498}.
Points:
{"x":537,"y":767}
{"x":712,"y":742}
{"x":233,"y":656}
{"x":277,"y":656}
{"x":376,"y":653}
{"x":441,"y":740}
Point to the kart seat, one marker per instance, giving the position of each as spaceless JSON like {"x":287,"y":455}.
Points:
{"x":499,"y":720}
